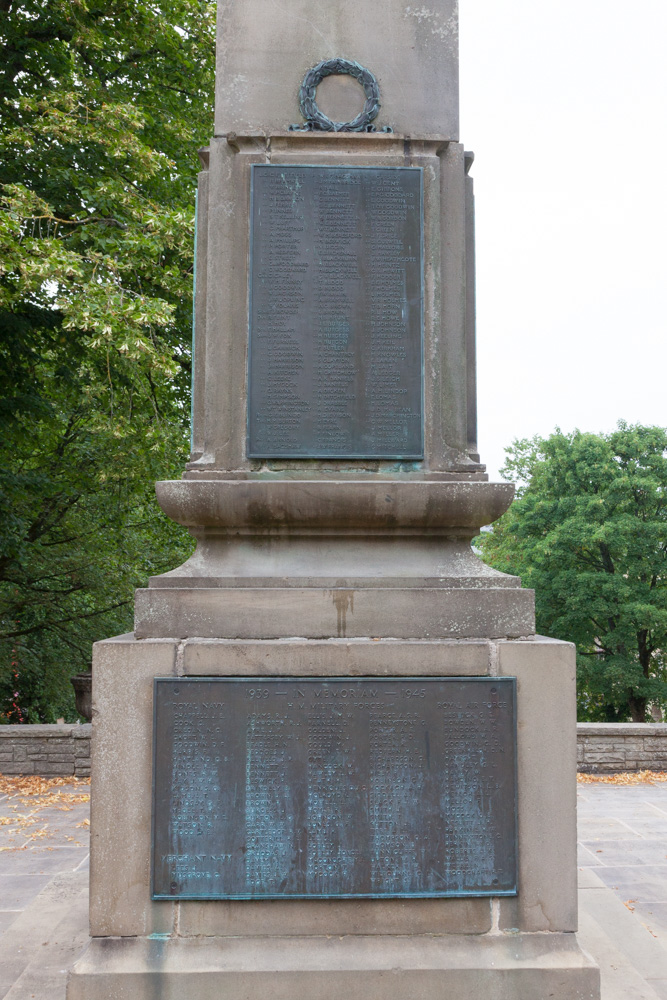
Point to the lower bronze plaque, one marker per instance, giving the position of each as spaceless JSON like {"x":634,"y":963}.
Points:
{"x":341,"y":787}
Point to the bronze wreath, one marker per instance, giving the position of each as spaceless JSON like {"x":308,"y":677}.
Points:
{"x":316,"y":120}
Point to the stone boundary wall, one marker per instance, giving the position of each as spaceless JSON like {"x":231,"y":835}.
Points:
{"x":608,"y":747}
{"x":51,"y":751}
{"x":602,"y":748}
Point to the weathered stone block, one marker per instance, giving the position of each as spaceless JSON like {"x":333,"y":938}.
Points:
{"x":605,"y":756}
{"x":120,"y":848}
{"x":59,"y":768}
{"x":545,"y":672}
{"x":501,"y":966}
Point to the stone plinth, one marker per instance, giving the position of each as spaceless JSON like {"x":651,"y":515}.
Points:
{"x":319,"y":558}
{"x":322,"y":968}
{"x":507,"y":947}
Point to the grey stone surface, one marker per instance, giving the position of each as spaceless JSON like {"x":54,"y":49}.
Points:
{"x":609,"y":747}
{"x":334,"y":534}
{"x":392,"y":507}
{"x":470,"y":311}
{"x":226,"y":919}
{"x":199,"y":318}
{"x":43,"y":889}
{"x":40,"y":862}
{"x":264,"y":51}
{"x":45,"y":749}
{"x":330,"y":967}
{"x":38,"y":926}
{"x":546,"y":720}
{"x":269,"y":613}
{"x":319,"y":558}
{"x":122,"y":769}
{"x":17,"y":890}
{"x":623,"y":903}
{"x":356,"y":657}
{"x":46,"y":975}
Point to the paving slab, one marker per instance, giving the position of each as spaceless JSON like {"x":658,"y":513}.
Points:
{"x":6,"y":918}
{"x":42,"y":861}
{"x":45,"y":975}
{"x":16,"y":891}
{"x":32,"y":936}
{"x":654,"y":918}
{"x":623,"y":887}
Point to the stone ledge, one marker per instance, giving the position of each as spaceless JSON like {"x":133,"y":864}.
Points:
{"x":47,"y":731}
{"x":504,"y":966}
{"x":610,"y":747}
{"x":617,"y":729}
{"x":47,"y":750}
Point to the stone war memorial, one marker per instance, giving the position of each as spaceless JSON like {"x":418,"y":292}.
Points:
{"x":334,"y":759}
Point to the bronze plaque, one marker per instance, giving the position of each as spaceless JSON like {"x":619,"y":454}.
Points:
{"x":343,"y":787}
{"x":335,"y":365}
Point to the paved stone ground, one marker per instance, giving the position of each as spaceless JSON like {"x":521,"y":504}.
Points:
{"x":623,"y":889}
{"x":43,"y":889}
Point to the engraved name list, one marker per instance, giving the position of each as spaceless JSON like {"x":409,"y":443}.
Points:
{"x":279,"y":787}
{"x":335,"y":358}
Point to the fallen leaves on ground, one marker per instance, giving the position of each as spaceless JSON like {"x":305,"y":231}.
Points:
{"x":35,"y":784}
{"x":26,"y":796}
{"x":623,"y":778}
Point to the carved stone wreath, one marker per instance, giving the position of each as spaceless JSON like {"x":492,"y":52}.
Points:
{"x":316,"y":120}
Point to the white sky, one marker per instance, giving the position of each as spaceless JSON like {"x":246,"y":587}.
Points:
{"x":564,"y":103}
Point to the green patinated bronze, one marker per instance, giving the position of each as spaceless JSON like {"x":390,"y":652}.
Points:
{"x":316,"y":120}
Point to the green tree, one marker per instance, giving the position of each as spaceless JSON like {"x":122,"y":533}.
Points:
{"x":102,"y":107}
{"x":588,"y":531}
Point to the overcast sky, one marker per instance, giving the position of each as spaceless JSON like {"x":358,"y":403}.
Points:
{"x":564,"y":103}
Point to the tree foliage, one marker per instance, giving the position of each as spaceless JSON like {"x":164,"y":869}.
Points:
{"x":588,"y":531}
{"x":102,"y":108}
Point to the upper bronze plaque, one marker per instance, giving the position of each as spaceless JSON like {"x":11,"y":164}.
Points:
{"x":335,"y":364}
{"x":273,"y":787}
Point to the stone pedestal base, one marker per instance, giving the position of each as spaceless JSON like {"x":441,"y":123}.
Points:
{"x":460,"y":967}
{"x":347,"y":558}
{"x":314,"y":613}
{"x":519,"y":948}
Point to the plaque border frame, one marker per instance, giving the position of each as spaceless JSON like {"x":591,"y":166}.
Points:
{"x":281,"y":678}
{"x":347,"y":456}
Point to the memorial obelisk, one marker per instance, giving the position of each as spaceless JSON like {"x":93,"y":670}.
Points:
{"x":333,"y":759}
